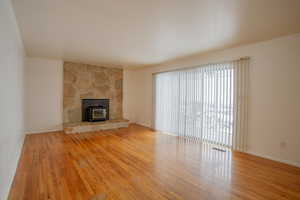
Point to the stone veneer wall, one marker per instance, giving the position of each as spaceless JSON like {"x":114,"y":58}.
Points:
{"x":82,"y":81}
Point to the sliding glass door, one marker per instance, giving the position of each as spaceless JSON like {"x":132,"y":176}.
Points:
{"x":198,"y":103}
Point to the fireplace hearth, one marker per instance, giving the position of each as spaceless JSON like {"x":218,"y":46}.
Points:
{"x":94,"y":110}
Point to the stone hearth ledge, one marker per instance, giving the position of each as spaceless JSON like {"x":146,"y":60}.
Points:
{"x":81,"y":127}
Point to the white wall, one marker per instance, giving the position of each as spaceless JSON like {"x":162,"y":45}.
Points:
{"x":131,"y":90}
{"x":44,"y":95}
{"x":11,"y":99}
{"x":274,"y":116}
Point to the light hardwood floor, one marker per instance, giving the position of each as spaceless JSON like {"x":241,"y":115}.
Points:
{"x":137,"y":163}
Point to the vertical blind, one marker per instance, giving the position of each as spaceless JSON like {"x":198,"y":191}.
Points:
{"x":208,"y":103}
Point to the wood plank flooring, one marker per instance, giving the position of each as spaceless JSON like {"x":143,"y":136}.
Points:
{"x":137,"y":163}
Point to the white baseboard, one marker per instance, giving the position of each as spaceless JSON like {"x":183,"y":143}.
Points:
{"x":274,"y":159}
{"x":143,"y":124}
{"x":43,"y":131}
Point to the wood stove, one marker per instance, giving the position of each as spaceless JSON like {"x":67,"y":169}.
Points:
{"x":95,"y":110}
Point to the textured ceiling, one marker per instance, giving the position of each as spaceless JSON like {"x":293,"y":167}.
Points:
{"x":145,"y":32}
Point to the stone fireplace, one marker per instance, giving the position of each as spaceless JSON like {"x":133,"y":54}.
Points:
{"x":89,"y":82}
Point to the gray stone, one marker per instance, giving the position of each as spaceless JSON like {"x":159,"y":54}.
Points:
{"x":69,"y":90}
{"x":74,"y":115}
{"x":69,"y":77}
{"x":118,"y":84}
